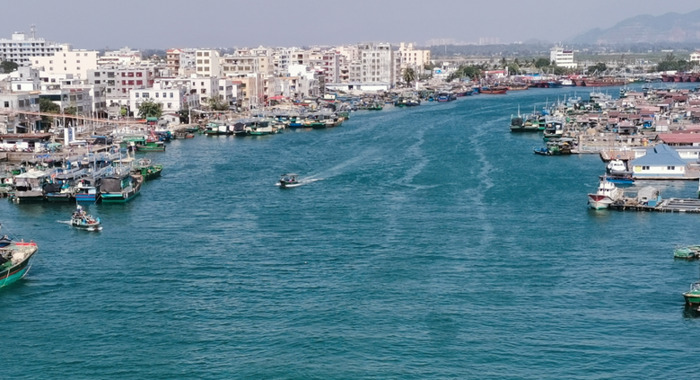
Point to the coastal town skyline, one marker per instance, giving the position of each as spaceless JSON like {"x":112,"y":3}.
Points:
{"x":222,"y":24}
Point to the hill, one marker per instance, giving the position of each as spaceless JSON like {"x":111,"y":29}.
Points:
{"x":667,"y":28}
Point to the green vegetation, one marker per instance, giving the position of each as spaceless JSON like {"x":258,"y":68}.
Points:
{"x":472,"y":72}
{"x":7,"y":67}
{"x":409,"y":76}
{"x":670,"y":63}
{"x":150,"y":108}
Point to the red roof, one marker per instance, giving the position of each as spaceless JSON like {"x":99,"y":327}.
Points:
{"x":680,"y":138}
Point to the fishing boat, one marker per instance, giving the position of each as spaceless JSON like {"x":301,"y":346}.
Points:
{"x":147,"y":169}
{"x":84,"y":221}
{"x":687,"y":252}
{"x":498,"y":90}
{"x":15,"y":261}
{"x":606,"y":195}
{"x":120,"y":187}
{"x":151,"y":146}
{"x":288,"y":180}
{"x":692,"y":296}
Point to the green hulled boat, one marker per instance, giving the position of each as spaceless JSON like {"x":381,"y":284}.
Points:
{"x":688,"y":252}
{"x":147,"y":169}
{"x":15,"y":261}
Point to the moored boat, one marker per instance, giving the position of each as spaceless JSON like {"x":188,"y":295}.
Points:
{"x":687,"y":252}
{"x":120,"y":188}
{"x":15,"y":261}
{"x":692,"y":296}
{"x":606,"y":195}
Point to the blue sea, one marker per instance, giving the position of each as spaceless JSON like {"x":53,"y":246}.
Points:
{"x":428,"y":243}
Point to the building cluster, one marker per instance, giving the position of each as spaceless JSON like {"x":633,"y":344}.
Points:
{"x":116,"y":83}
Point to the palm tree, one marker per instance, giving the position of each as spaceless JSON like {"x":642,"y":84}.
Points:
{"x":409,"y":75}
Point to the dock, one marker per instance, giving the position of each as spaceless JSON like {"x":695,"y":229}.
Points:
{"x":679,"y":205}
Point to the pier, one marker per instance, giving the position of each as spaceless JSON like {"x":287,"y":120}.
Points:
{"x":686,"y":205}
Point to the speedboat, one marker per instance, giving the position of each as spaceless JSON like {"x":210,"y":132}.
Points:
{"x":288,"y":180}
{"x":82,"y":220}
{"x":692,"y":296}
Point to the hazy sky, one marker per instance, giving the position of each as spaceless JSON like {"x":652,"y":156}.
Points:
{"x":142,"y":24}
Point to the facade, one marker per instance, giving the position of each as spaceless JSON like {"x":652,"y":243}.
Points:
{"x":377,"y":64}
{"x":10,"y":103}
{"x":413,"y":58}
{"x":22,"y":48}
{"x":236,"y":66}
{"x":68,"y":61}
{"x":23,"y":79}
{"x":207,"y":63}
{"x":119,"y":80}
{"x":173,"y":99}
{"x":205,"y":87}
{"x":562,"y":58}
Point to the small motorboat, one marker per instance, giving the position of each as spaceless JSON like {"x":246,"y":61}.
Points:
{"x":688,"y":252}
{"x":288,"y":180}
{"x":692,"y":296}
{"x":82,"y":220}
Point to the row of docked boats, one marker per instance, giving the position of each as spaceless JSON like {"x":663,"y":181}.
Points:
{"x":113,"y":180}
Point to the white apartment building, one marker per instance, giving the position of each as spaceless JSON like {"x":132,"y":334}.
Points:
{"x":172,"y":99}
{"x":22,"y":48}
{"x":10,"y":103}
{"x":207,"y":63}
{"x":97,"y":94}
{"x":23,"y":79}
{"x":68,"y":61}
{"x":377,"y":64}
{"x":562,"y":58}
{"x":205,"y":87}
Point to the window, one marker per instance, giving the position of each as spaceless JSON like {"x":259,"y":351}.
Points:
{"x":165,"y":94}
{"x":645,"y":168}
{"x":136,"y":94}
{"x":670,"y":168}
{"x":157,"y":95}
{"x":145,"y":95}
{"x":7,"y":104}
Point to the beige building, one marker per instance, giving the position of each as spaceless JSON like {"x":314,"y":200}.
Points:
{"x":67,"y":61}
{"x":207,"y":63}
{"x":414,"y":58}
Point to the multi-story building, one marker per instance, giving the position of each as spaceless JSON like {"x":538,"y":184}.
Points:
{"x":181,"y":62}
{"x":236,"y":66}
{"x":22,"y":48}
{"x":378,"y":65}
{"x":413,"y":58}
{"x":205,"y":87}
{"x":172,"y":98}
{"x":562,"y":58}
{"x":67,"y":61}
{"x":12,"y":103}
{"x":119,"y":80}
{"x":23,"y":79}
{"x":207,"y":63}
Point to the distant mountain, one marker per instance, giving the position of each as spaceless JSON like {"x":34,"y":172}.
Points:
{"x":670,"y":27}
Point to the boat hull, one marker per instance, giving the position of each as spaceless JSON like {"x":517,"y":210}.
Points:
{"x":10,"y":275}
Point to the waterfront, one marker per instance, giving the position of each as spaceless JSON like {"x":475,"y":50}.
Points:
{"x":434,"y":244}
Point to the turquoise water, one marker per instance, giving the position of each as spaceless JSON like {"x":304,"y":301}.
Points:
{"x":432,"y":243}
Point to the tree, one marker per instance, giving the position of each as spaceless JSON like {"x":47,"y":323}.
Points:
{"x":599,"y":68}
{"x":149,"y":108}
{"x":542,"y":62}
{"x":409,"y":76}
{"x":47,"y":106}
{"x":217,"y":104}
{"x":8,"y":66}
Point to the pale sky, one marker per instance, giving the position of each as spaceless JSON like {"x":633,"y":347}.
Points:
{"x":162,"y":24}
